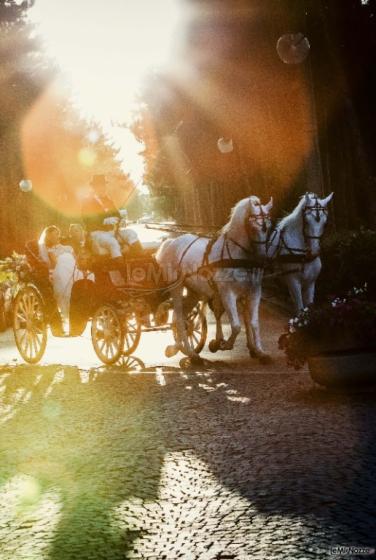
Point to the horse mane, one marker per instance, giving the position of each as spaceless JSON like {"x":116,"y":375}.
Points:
{"x":295,"y":215}
{"x":238,"y":213}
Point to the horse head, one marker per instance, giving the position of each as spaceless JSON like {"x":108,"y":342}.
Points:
{"x":258,"y":223}
{"x":315,"y":217}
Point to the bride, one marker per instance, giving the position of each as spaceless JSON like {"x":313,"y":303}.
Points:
{"x":62,"y":268}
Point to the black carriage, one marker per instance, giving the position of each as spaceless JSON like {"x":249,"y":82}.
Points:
{"x":119,"y":303}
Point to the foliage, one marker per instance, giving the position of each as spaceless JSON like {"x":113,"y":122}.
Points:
{"x":348,"y":259}
{"x":339,"y":324}
{"x":10,"y":267}
{"x":23,"y":73}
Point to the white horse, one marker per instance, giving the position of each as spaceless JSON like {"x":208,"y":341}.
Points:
{"x":238,"y":251}
{"x":295,"y":245}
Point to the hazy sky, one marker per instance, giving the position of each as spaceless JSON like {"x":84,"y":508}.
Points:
{"x":105,"y":50}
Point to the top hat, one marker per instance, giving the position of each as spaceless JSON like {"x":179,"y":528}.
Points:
{"x":98,"y":181}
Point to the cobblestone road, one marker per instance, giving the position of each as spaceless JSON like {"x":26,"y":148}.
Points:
{"x":257,"y":464}
{"x":253,"y":463}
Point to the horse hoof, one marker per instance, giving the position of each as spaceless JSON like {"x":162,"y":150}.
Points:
{"x":253,"y":354}
{"x":196,"y":359}
{"x":187,"y":362}
{"x":171,"y":351}
{"x":214,"y":346}
{"x":265,"y":359}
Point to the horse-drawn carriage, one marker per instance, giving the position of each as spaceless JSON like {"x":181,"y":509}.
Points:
{"x":225,"y":269}
{"x":120,"y":304}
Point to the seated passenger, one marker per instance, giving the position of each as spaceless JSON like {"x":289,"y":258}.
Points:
{"x":61,"y":263}
{"x":75,"y":238}
{"x":128,"y":238}
{"x":118,"y":242}
{"x":105,"y":242}
{"x":96,"y":209}
{"x":50,"y":248}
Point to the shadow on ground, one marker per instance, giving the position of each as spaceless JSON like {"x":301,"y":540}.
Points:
{"x":98,"y":439}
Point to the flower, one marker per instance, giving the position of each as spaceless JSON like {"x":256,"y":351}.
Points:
{"x":339,"y":323}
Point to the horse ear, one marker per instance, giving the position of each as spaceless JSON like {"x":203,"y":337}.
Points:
{"x":268,"y":206}
{"x":325,"y":201}
{"x":306,"y":198}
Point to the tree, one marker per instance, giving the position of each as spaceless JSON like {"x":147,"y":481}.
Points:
{"x":23,"y":74}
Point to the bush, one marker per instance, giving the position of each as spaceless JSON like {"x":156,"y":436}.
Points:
{"x":337,"y":325}
{"x":348,"y":259}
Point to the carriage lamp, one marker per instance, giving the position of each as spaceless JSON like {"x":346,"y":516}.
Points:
{"x":26,"y":185}
{"x":225,"y":145}
{"x":293,"y":48}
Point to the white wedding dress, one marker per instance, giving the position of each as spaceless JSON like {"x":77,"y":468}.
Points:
{"x":62,"y":276}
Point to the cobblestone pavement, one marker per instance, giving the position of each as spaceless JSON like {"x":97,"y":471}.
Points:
{"x":204,"y":465}
{"x":79,"y":351}
{"x":211,"y":464}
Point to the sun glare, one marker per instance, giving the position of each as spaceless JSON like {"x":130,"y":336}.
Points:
{"x":106,"y":49}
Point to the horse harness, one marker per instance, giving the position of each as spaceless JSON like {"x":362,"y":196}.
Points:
{"x":207,"y":268}
{"x":296,"y":254}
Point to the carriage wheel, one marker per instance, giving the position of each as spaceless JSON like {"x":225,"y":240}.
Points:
{"x":132,"y":333}
{"x":107,"y":334}
{"x":29,"y":325}
{"x":197,"y":327}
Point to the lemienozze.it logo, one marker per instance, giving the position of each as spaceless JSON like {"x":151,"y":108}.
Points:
{"x":351,"y":551}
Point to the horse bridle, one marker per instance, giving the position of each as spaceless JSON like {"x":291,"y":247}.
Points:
{"x":263,"y":217}
{"x":256,"y":219}
{"x":305,"y":253}
{"x":260,"y":219}
{"x":315,"y":209}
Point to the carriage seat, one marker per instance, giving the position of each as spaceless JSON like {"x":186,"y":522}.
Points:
{"x":41,"y":278}
{"x":38,"y":266}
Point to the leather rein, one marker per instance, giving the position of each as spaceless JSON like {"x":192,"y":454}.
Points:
{"x":250,"y":262}
{"x":297,"y":254}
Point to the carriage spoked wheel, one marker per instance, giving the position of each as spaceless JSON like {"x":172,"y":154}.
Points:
{"x":197,"y":327}
{"x":107,"y":334}
{"x":29,"y":324}
{"x":132,"y":332}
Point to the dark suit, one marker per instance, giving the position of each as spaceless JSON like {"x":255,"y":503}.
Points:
{"x":77,"y":246}
{"x":95,"y":209}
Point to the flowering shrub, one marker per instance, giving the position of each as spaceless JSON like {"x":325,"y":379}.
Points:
{"x":348,"y":259}
{"x":11,"y":266}
{"x":9,"y":270}
{"x":336,"y":325}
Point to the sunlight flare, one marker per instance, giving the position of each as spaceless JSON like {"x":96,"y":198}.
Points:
{"x":107,"y":49}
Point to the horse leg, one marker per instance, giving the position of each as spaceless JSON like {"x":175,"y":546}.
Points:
{"x":312,"y":271}
{"x":215,"y":344}
{"x":252,"y":313}
{"x":181,"y":331}
{"x":189,"y":301}
{"x":308,"y":294}
{"x":229,"y":301}
{"x":295,"y":291}
{"x":248,"y":330}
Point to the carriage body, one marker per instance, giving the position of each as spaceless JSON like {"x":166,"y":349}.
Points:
{"x":119,"y":304}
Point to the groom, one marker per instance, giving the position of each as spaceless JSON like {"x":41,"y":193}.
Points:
{"x":97,"y":210}
{"x":98,"y":205}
